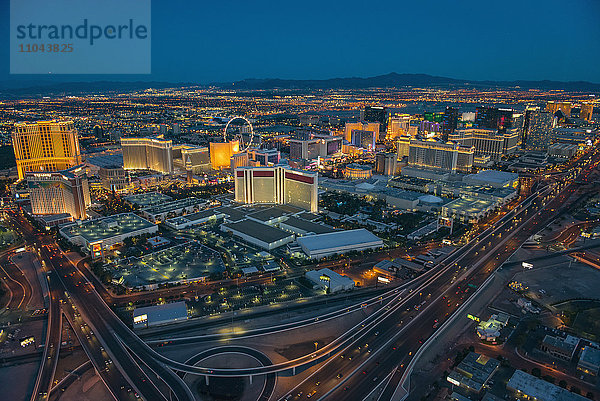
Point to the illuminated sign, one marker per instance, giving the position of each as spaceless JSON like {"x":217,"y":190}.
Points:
{"x":325,"y":278}
{"x":445,"y":222}
{"x":527,"y":265}
{"x":140,"y":318}
{"x":453,"y":381}
{"x":27,"y":340}
{"x":474,"y":318}
{"x":383,"y":280}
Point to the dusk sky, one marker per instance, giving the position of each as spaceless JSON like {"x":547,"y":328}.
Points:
{"x":217,"y":41}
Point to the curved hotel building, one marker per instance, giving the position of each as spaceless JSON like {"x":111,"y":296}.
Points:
{"x":45,"y":146}
{"x":155,"y":153}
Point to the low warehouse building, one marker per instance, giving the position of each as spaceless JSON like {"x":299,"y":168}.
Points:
{"x":258,"y":234}
{"x":323,"y":245}
{"x":97,"y":235}
{"x":327,"y":279}
{"x":527,"y":387}
{"x":148,"y":316}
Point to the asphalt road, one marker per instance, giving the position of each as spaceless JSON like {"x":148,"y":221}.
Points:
{"x":397,"y":349}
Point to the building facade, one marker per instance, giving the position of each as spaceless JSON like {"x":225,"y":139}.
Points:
{"x":438,"y":155}
{"x":278,"y":185}
{"x":361,"y":126}
{"x":154,"y":153}
{"x":45,"y":146}
{"x":537,"y":129}
{"x":58,"y":192}
{"x":491,"y":142}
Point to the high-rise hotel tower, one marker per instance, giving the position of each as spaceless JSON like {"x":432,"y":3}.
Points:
{"x":277,"y":185}
{"x":45,"y":146}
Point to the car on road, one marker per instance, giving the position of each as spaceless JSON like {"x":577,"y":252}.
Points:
{"x":311,"y":394}
{"x":339,"y":376}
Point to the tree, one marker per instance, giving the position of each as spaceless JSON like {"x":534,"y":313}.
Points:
{"x":562,"y":384}
{"x":536,"y":372}
{"x":590,"y":395}
{"x":575,"y":390}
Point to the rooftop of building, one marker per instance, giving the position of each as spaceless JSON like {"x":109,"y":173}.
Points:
{"x":268,"y":214}
{"x":148,"y":199}
{"x":476,"y":369}
{"x":107,"y":227}
{"x":493,"y":176}
{"x":469,"y":205}
{"x":338,"y":239}
{"x":234,"y":214}
{"x":308,"y":216}
{"x":590,"y":355}
{"x":539,"y":389}
{"x":260,"y":231}
{"x":172,"y":205}
{"x":356,"y":166}
{"x":307,"y":226}
{"x":173,"y":310}
{"x":335,"y":279}
{"x":567,"y":344}
{"x":106,"y":160}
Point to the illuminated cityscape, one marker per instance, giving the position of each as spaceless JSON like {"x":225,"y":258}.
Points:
{"x":269,"y":214}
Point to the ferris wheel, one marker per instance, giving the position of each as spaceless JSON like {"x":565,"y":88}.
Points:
{"x":239,"y":136}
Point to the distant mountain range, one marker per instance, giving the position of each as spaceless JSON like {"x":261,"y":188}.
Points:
{"x":38,"y":88}
{"x":395,"y":80}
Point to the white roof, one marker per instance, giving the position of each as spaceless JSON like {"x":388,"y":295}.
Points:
{"x":494,"y":176}
{"x":337,"y":239}
{"x":335,"y":279}
{"x":162,"y":313}
{"x":430,"y":199}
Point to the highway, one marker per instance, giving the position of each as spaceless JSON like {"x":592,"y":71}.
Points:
{"x":49,"y":361}
{"x":16,"y":281}
{"x":126,"y":379}
{"x":395,"y":349}
{"x":108,"y":333}
{"x":395,"y":360}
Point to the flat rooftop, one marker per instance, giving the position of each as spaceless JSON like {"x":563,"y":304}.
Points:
{"x":164,"y":312}
{"x":338,"y":239}
{"x":494,"y":176}
{"x":267,"y":214}
{"x":148,"y":199}
{"x":106,"y":161}
{"x":107,"y":227}
{"x":307,"y":226}
{"x":234,"y":214}
{"x":470,"y":205}
{"x":258,"y":230}
{"x":173,"y":205}
{"x":540,"y":389}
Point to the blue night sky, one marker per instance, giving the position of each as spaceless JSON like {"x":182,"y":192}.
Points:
{"x":217,"y":41}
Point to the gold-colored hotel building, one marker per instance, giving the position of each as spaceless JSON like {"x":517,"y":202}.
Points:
{"x":45,"y":146}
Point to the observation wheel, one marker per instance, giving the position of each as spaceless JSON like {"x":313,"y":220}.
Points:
{"x":240,"y":137}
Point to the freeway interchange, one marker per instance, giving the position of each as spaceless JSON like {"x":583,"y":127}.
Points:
{"x":377,"y":353}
